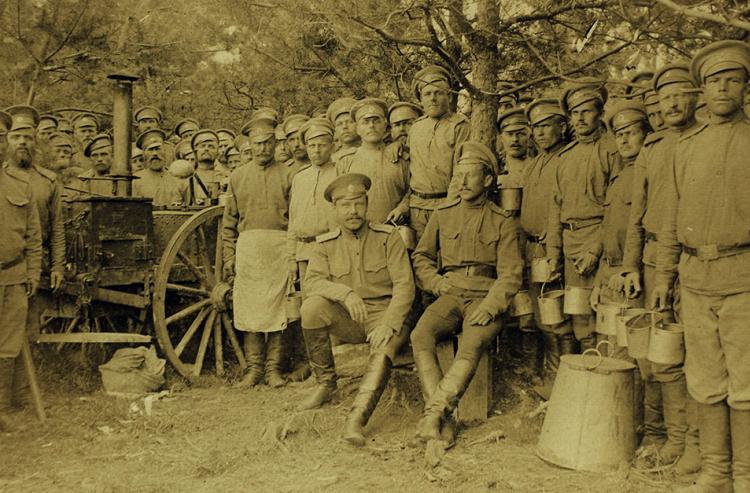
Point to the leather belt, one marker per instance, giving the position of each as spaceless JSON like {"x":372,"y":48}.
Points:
{"x":478,"y":270}
{"x":583,"y":223}
{"x":11,"y":263}
{"x":650,"y":236}
{"x":713,"y":252}
{"x":439,"y":195}
{"x":306,"y":239}
{"x":612,"y":262}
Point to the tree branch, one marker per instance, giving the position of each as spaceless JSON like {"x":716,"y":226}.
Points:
{"x":67,"y":36}
{"x":690,"y":12}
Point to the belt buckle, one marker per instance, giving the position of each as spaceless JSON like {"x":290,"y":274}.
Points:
{"x":707,"y":252}
{"x":571,"y":225}
{"x":467,"y":269}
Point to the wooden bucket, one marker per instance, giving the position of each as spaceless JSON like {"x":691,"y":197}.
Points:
{"x":510,"y":198}
{"x":639,"y":328}
{"x":622,"y":329}
{"x":551,"y":307}
{"x":589,"y":424}
{"x":667,"y":345}
{"x":577,"y":300}
{"x":521,"y":304}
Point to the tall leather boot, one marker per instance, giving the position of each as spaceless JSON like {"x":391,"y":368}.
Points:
{"x":274,"y":359}
{"x":21,"y":391}
{"x":6,"y":386}
{"x":254,"y":345}
{"x":653,"y":420}
{"x":320,"y":355}
{"x":551,"y":364}
{"x":716,"y":450}
{"x":530,"y":348}
{"x":295,"y":345}
{"x":690,"y":462}
{"x":568,"y":344}
{"x":446,"y":396}
{"x":370,"y":389}
{"x":675,"y":420}
{"x":429,"y":372}
{"x":740,"y":427}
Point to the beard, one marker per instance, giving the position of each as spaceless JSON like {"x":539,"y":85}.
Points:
{"x":22,"y":157}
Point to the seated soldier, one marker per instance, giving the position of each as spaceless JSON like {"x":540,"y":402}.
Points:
{"x":469,"y":256}
{"x":359,"y":288}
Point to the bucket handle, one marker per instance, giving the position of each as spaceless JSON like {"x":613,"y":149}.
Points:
{"x":604,"y":341}
{"x":597,"y":353}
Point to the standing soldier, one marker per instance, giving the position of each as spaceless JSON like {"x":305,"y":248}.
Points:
{"x":294,"y":142}
{"x":154,"y":181}
{"x":549,"y":127}
{"x":388,"y":197}
{"x":149,"y":118}
{"x":432,"y":140}
{"x":226,"y":140}
{"x":514,"y":135}
{"x":401,"y":116}
{"x":136,"y":158}
{"x":47,"y":126}
{"x":61,"y":149}
{"x":339,"y":112}
{"x":578,"y":192}
{"x":206,"y":182}
{"x":677,"y":100}
{"x":185,"y":128}
{"x":254,"y":234}
{"x":469,"y":257}
{"x":85,"y":128}
{"x":282,"y":153}
{"x":20,"y":255}
{"x":360,"y":288}
{"x":651,"y":103}
{"x":704,"y":238}
{"x":95,"y":179}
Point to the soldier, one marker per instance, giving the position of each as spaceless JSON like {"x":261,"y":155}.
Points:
{"x":254,"y":234}
{"x":147,"y":118}
{"x":5,"y":124}
{"x":242,"y":143}
{"x":401,"y":116}
{"x":185,"y":128}
{"x":359,"y":288}
{"x":64,"y":126}
{"x":296,"y":147}
{"x":85,"y":128}
{"x":154,"y":181}
{"x":226,"y":140}
{"x":514,"y":135}
{"x":282,"y":153}
{"x":432,"y":140}
{"x":508,"y":101}
{"x":61,"y":148}
{"x":548,"y":127}
{"x":469,"y":257}
{"x":388,"y":199}
{"x":232,"y":156}
{"x":206,"y":181}
{"x":677,"y":101}
{"x":20,"y":256}
{"x":94,"y":180}
{"x":704,"y":240}
{"x":136,"y":158}
{"x":578,"y":195}
{"x":651,"y":102}
{"x":339,"y":112}
{"x":47,"y":126}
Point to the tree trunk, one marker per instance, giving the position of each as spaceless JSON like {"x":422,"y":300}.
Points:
{"x":484,"y":74}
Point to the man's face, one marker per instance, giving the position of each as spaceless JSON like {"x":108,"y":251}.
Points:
{"x":401,"y":121}
{"x":137,"y":163}
{"x":725,"y":91}
{"x":187,"y":130}
{"x":435,"y":98}
{"x":44,"y":132}
{"x":586,"y":118}
{"x":206,"y":151}
{"x":263,"y":151}
{"x":246,"y":154}
{"x":371,"y":129}
{"x":474,"y":180}
{"x":233,"y":161}
{"x":61,"y":157}
{"x":147,"y":124}
{"x":225,"y":142}
{"x":84,"y":133}
{"x":153,"y":157}
{"x":296,"y":147}
{"x":21,"y":146}
{"x":282,"y":153}
{"x":655,"y":117}
{"x":677,"y":106}
{"x":350,"y":213}
{"x":319,"y":149}
{"x":630,"y":140}
{"x":515,"y":142}
{"x":102,"y":159}
{"x":345,"y":128}
{"x":548,"y":133}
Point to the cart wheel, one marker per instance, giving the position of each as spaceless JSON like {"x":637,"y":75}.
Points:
{"x":185,"y":318}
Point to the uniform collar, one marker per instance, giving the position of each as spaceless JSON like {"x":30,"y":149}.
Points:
{"x":593,"y":137}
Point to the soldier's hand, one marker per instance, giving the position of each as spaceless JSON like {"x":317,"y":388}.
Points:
{"x":379,"y":336}
{"x":356,"y":307}
{"x":293,"y":272}
{"x":443,"y":286}
{"x":617,"y":282}
{"x":480,"y":316}
{"x":554,"y":269}
{"x":227,"y":272}
{"x":32,"y":285}
{"x":394,"y":152}
{"x":586,"y":264}
{"x":56,"y":280}
{"x":632,"y":284}
{"x":394,"y":216}
{"x":659,"y":298}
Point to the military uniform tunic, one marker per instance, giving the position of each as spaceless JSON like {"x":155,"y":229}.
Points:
{"x":390,"y":181}
{"x":88,"y":181}
{"x":47,"y":191}
{"x":309,"y":212}
{"x":20,"y":256}
{"x":160,"y":186}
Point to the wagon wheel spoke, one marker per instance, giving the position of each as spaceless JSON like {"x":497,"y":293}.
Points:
{"x":191,"y":331}
{"x":218,"y":349}
{"x":219,"y":260}
{"x":186,"y":290}
{"x":187,"y":311}
{"x":200,"y":239}
{"x":194,"y":269}
{"x":207,"y":330}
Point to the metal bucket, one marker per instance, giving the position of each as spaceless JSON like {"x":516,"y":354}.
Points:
{"x":589,"y":424}
{"x":606,"y":317}
{"x":622,"y":330}
{"x":667,"y":345}
{"x":550,"y":307}
{"x":293,"y":304}
{"x":639,"y":332}
{"x":510,"y":198}
{"x":521,"y":304}
{"x":540,"y":270}
{"x":577,"y":301}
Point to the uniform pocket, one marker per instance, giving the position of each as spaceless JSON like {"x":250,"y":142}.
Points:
{"x":18,"y":201}
{"x":340,"y":269}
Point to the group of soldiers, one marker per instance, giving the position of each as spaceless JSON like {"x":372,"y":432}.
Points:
{"x":622,"y":196}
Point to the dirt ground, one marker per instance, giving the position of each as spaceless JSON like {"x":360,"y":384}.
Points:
{"x":212,"y":437}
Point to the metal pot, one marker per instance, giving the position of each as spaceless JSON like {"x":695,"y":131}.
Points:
{"x":667,"y":345}
{"x":510,"y":198}
{"x":577,"y":300}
